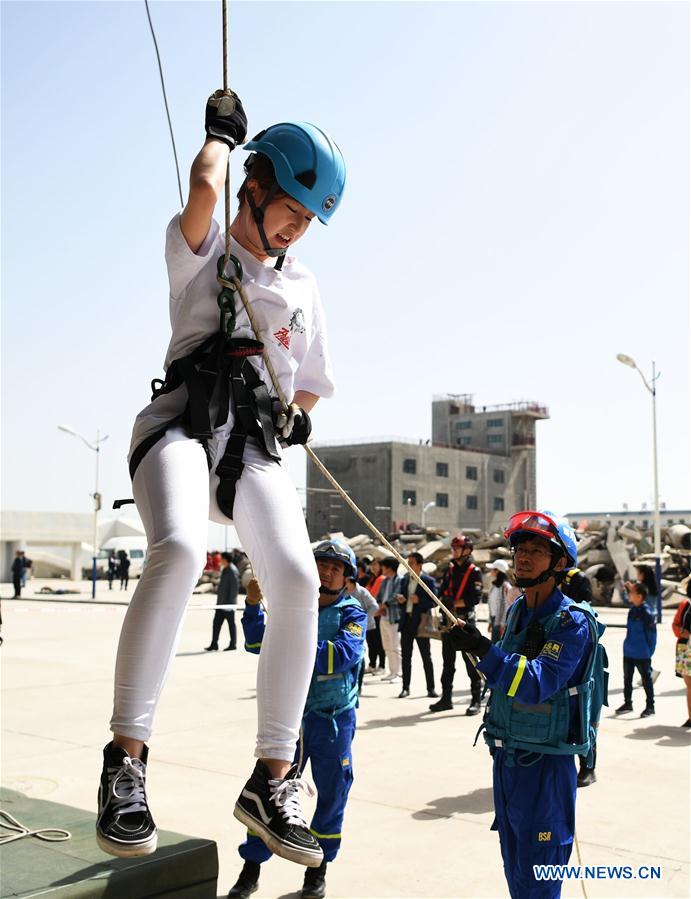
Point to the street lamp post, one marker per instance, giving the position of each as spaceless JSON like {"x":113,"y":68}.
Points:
{"x":652,"y":390}
{"x":425,"y":508}
{"x":96,"y":447}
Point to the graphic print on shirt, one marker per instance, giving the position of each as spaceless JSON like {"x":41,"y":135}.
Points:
{"x":295,"y":325}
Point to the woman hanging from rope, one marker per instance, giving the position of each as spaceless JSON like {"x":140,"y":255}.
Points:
{"x":209,"y":447}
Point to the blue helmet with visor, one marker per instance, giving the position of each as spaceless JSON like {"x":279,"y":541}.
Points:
{"x":557,"y":531}
{"x":338,"y":551}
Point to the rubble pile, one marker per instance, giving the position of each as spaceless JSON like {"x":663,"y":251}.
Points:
{"x":607,"y":555}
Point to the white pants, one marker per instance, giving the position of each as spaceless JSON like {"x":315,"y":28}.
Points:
{"x":175,"y":496}
{"x":391,"y":641}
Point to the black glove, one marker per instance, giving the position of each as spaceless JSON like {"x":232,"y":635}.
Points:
{"x":469,"y":639}
{"x":292,"y":425}
{"x":225,"y":118}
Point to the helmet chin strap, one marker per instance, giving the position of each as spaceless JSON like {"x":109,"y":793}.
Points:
{"x":534,"y":581}
{"x":328,"y":592}
{"x":277,"y":253}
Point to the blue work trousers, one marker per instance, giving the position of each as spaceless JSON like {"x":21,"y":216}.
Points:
{"x":535,"y":809}
{"x":326,"y":743}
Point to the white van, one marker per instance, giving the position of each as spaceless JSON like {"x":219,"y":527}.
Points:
{"x":135,"y":547}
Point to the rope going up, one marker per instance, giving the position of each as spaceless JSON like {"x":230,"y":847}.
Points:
{"x":226,"y":189}
{"x":165,"y":100}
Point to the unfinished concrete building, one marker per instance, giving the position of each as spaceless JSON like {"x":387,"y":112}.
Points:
{"x":478,"y":466}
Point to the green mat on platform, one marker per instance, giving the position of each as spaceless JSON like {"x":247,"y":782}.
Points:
{"x":181,"y":868}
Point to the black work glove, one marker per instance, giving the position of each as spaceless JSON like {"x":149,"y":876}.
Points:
{"x":225,"y":118}
{"x":468,"y":638}
{"x":292,"y":425}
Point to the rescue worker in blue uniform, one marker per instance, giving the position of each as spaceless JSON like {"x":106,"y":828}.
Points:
{"x":328,"y":724}
{"x":532,"y":720}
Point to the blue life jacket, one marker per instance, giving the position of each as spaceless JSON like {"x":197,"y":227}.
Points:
{"x":546,"y":727}
{"x":331,"y":694}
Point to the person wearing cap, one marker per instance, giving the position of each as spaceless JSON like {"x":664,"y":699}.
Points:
{"x":329,"y":719}
{"x":461,"y":591}
{"x":497,"y":604}
{"x":533,"y":714}
{"x":209,"y":446}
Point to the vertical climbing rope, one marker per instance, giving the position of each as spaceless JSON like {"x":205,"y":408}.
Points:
{"x":224,"y":6}
{"x":165,"y":100}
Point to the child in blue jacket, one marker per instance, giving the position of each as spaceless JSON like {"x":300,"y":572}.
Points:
{"x":639,"y":646}
{"x":328,"y":723}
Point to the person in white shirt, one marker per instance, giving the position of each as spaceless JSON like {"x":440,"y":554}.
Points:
{"x":497,"y":598}
{"x":209,"y":446}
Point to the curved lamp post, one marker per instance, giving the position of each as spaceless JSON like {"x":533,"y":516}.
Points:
{"x":94,"y":445}
{"x":650,"y":386}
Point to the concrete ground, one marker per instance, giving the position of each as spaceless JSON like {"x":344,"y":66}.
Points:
{"x":419,"y":814}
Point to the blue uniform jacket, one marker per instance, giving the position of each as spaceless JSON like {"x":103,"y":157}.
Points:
{"x":333,"y":656}
{"x":641,"y":633}
{"x":560,"y":663}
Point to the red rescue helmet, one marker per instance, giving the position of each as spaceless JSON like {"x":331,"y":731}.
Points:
{"x":460,"y":541}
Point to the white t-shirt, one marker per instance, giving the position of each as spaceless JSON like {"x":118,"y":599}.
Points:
{"x":287,"y":311}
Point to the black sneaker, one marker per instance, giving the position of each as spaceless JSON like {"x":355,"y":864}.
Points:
{"x":271,"y":808}
{"x":247,"y":883}
{"x":474,"y":708}
{"x":648,"y":711}
{"x":442,"y":706}
{"x":124,"y":827}
{"x":314,"y":886}
{"x":626,"y":707}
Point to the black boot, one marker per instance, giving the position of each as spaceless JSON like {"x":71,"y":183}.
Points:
{"x":247,"y":883}
{"x":586,"y":775}
{"x":314,"y":886}
{"x":443,"y":705}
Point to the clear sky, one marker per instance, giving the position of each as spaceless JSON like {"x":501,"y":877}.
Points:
{"x":517,"y":213}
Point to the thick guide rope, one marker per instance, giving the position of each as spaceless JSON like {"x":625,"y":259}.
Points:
{"x":234,"y":284}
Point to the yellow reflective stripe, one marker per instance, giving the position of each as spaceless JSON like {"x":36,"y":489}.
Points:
{"x":326,"y":836}
{"x":252,"y":833}
{"x":517,"y":676}
{"x":330,"y":663}
{"x":252,"y":645}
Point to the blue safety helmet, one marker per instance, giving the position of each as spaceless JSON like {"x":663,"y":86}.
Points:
{"x":545,"y":524}
{"x":307,"y":162}
{"x":338,"y":551}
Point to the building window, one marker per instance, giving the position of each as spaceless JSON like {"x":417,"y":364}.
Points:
{"x":464,"y":441}
{"x":645,"y":524}
{"x":498,"y":503}
{"x":620,"y":522}
{"x":442,"y":470}
{"x":670,"y":521}
{"x":498,"y":476}
{"x":463,"y":425}
{"x":495,"y":438}
{"x":471,"y":473}
{"x":471,"y":502}
{"x":409,"y":466}
{"x":495,"y":422}
{"x":409,"y":497}
{"x":442,"y":501}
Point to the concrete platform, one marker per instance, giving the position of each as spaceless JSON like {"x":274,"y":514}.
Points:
{"x":418,"y":820}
